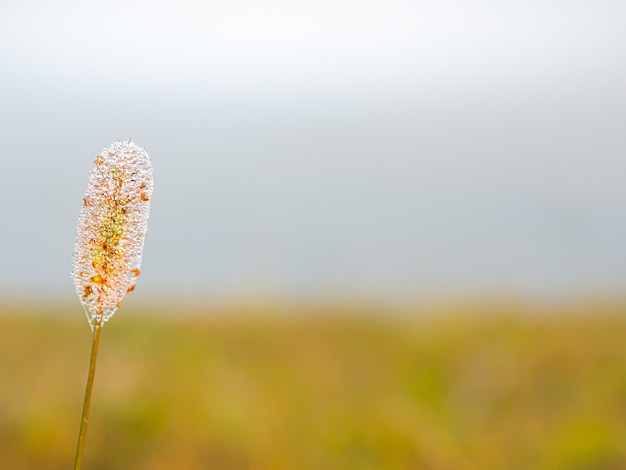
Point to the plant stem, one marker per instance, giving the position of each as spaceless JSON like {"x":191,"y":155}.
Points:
{"x":92,"y":370}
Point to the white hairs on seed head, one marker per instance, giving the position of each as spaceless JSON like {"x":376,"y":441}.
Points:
{"x":111,"y":229}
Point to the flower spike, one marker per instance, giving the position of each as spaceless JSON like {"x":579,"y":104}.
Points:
{"x":111,"y":229}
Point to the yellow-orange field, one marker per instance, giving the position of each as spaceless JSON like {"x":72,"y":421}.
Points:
{"x":322,"y":388}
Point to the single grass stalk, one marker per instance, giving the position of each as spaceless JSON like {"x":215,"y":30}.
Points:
{"x":80,"y":448}
{"x":111,"y":231}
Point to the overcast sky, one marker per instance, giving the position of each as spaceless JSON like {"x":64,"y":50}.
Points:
{"x":325,"y":147}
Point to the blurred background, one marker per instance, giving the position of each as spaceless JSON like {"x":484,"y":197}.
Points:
{"x":383,"y":234}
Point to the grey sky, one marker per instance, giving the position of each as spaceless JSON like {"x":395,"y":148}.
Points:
{"x":316,"y":147}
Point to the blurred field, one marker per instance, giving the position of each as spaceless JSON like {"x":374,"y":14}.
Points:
{"x":491,"y":388}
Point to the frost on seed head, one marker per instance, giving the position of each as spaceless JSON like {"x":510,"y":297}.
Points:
{"x":111,"y":229}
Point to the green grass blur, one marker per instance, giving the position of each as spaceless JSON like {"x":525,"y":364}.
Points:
{"x":329,"y":388}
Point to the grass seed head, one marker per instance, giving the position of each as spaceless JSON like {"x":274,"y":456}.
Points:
{"x":111,"y":229}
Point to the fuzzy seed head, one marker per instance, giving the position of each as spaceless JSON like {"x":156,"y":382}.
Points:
{"x":111,"y":229}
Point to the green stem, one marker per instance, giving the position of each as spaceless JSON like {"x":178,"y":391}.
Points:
{"x":80,"y":448}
